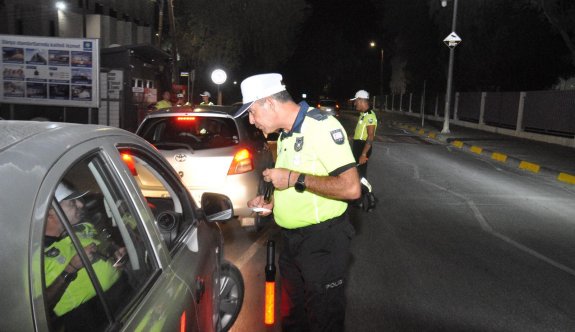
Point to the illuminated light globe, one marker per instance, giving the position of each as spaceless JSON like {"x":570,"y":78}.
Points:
{"x":219,"y":76}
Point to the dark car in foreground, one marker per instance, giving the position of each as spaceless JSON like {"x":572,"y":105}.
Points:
{"x":211,"y":151}
{"x":83,"y":245}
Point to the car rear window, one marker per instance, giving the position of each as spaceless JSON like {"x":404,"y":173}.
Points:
{"x":327,"y":102}
{"x":194,"y":132}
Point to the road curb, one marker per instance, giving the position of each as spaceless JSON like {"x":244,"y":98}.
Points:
{"x":524,"y":165}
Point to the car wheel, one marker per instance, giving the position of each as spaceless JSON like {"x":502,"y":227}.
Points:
{"x":231,"y":295}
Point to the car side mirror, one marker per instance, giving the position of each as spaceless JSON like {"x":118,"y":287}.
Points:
{"x":217,"y":207}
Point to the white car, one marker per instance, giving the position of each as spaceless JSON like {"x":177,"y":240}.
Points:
{"x":212,"y":151}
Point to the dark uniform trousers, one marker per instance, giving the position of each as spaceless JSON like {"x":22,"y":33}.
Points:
{"x":313,"y":263}
{"x":357,"y":149}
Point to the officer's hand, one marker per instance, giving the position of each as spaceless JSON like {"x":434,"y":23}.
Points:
{"x":121,"y":256}
{"x":76,"y":261}
{"x":277,"y":176}
{"x":259,"y":202}
{"x":363,"y":160}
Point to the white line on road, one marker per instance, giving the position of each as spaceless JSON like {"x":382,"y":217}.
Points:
{"x":487,"y":227}
{"x":248,"y":254}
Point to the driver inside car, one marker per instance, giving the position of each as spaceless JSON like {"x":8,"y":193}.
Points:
{"x":69,"y":290}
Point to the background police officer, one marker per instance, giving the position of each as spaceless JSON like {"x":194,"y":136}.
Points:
{"x":313,"y":177}
{"x":206,"y":95}
{"x":165,"y":102}
{"x":363,"y":138}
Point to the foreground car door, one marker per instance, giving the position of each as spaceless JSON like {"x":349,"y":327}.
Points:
{"x":161,"y":238}
{"x":194,"y":245}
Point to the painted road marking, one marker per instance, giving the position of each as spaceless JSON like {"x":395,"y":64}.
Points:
{"x":253,"y":249}
{"x":458,"y":144}
{"x":499,"y":157}
{"x":476,"y":149}
{"x":564,"y":177}
{"x":531,"y":167}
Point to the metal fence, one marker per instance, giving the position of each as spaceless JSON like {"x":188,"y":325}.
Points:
{"x":544,"y":112}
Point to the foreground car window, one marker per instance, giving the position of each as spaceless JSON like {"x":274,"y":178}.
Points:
{"x":171,"y":214}
{"x":96,"y":255}
{"x":192,"y":132}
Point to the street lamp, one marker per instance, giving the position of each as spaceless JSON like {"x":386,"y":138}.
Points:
{"x":373,"y":45}
{"x":61,"y":5}
{"x":219,"y":77}
{"x":445,"y":129}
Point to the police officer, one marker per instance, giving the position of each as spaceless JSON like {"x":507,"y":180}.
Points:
{"x":363,"y":138}
{"x":165,"y":102}
{"x":206,"y":98}
{"x":68,"y":285}
{"x":313,"y":177}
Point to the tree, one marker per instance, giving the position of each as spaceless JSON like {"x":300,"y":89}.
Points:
{"x":561,"y":14}
{"x":236,"y":34}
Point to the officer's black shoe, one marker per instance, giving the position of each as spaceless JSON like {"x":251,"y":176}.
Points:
{"x":371,"y":201}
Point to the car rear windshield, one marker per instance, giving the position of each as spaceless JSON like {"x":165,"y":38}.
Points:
{"x":327,"y":102}
{"x":194,"y":132}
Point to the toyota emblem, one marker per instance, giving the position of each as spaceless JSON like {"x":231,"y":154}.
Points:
{"x":180,"y":157}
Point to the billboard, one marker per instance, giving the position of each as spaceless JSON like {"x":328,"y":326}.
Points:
{"x":49,"y":71}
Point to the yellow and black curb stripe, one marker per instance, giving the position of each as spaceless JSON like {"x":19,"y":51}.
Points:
{"x":497,"y":156}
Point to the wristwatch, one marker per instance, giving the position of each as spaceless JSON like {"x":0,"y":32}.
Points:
{"x":300,"y":184}
{"x":69,"y":276}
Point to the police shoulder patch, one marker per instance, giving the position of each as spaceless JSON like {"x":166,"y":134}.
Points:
{"x":337,"y":136}
{"x":52,"y":252}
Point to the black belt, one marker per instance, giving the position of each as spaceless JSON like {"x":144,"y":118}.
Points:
{"x":318,"y":227}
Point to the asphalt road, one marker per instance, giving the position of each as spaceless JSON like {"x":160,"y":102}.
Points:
{"x":457,"y":243}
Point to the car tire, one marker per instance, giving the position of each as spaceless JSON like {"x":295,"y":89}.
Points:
{"x":231,"y":295}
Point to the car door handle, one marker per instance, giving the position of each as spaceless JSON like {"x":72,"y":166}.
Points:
{"x":200,"y":289}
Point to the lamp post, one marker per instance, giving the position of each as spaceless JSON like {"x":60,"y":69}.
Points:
{"x":373,"y":45}
{"x":445,"y":129}
{"x":219,"y":77}
{"x":84,"y":28}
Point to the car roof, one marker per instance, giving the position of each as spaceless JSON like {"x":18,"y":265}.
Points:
{"x":15,"y":132}
{"x":205,"y":109}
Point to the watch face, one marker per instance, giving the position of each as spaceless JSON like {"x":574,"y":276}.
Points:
{"x":69,"y":277}
{"x":300,"y":184}
{"x":299,"y":187}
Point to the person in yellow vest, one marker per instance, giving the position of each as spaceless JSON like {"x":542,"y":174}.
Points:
{"x":68,"y":286}
{"x":181,"y":102}
{"x":206,"y":95}
{"x":165,"y":102}
{"x":363,"y":138}
{"x":314,"y":176}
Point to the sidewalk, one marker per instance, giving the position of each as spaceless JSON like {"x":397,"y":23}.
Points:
{"x":546,"y":159}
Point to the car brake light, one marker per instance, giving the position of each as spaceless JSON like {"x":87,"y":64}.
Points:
{"x":241,"y":163}
{"x":186,"y":118}
{"x":129,"y":160}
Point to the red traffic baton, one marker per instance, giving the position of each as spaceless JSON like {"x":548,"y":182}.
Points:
{"x":270,"y":270}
